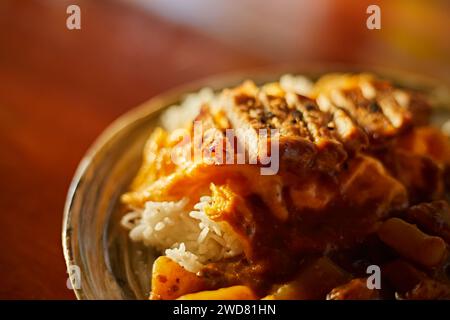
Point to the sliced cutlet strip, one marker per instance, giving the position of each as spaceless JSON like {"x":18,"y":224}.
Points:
{"x":382,"y":93}
{"x":380,"y":109}
{"x":213,"y":146}
{"x":367,"y":113}
{"x":302,"y":114}
{"x":402,"y":107}
{"x":348,"y":131}
{"x":248,"y":115}
{"x":281,"y":115}
{"x":330,"y":152}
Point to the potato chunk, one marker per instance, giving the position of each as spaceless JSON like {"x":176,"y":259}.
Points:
{"x":170,"y":280}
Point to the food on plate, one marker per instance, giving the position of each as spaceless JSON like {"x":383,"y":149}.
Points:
{"x":294,"y":190}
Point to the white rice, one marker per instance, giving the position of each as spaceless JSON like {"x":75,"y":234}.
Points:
{"x":178,"y":115}
{"x":186,"y":236}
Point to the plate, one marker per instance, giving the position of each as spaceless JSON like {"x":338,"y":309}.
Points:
{"x":101,"y":261}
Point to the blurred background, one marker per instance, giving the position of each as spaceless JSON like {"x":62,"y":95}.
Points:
{"x":60,"y":88}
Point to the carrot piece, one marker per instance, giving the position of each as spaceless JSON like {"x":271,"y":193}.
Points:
{"x":230,"y":293}
{"x":412,"y":243}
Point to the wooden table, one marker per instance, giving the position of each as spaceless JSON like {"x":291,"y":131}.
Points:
{"x":59,"y":89}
